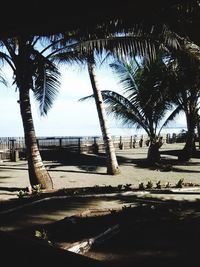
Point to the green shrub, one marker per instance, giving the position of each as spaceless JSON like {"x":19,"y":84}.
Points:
{"x":180,"y":183}
{"x":119,"y":187}
{"x":127,"y":187}
{"x":42,"y":234}
{"x":149,"y":185}
{"x":22,"y":193}
{"x":168,"y":185}
{"x":37,"y":189}
{"x":158,"y":185}
{"x":141,"y":186}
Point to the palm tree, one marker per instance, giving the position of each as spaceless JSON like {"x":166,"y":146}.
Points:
{"x":35,"y":70}
{"x":186,"y":92}
{"x":112,"y":164}
{"x":115,"y":43}
{"x":144,"y":43}
{"x":145,"y":100}
{"x":32,"y":71}
{"x":75,"y":54}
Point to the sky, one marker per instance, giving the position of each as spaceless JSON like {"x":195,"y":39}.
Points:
{"x":68,"y":116}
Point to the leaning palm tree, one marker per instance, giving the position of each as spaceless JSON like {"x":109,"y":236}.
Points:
{"x":72,"y":56}
{"x":145,"y":100}
{"x":32,"y":71}
{"x":112,"y":164}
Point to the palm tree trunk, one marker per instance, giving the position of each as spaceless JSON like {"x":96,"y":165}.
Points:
{"x":112,"y":164}
{"x":153,"y":154}
{"x":198,"y":129}
{"x":37,"y":172}
{"x":189,"y":147}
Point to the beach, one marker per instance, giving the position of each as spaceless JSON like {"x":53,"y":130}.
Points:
{"x":92,"y":171}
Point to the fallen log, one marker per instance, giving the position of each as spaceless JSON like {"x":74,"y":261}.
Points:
{"x":85,"y":245}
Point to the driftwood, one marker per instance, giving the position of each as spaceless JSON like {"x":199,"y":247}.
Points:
{"x":84,"y":246}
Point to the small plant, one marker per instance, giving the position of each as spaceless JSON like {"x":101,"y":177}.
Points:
{"x":158,"y":185}
{"x":42,"y":234}
{"x":119,"y":187}
{"x":22,"y":194}
{"x":37,"y":189}
{"x":127,"y":187}
{"x":168,"y":185}
{"x":125,"y":207}
{"x":180,"y":183}
{"x":149,"y":185}
{"x":141,"y":186}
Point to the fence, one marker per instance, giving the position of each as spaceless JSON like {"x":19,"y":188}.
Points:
{"x":88,"y":144}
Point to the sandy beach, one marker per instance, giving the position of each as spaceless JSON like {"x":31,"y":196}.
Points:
{"x":14,"y":175}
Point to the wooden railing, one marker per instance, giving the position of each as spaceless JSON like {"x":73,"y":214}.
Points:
{"x":76,"y":144}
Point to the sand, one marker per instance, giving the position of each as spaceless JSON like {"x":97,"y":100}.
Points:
{"x":14,"y":175}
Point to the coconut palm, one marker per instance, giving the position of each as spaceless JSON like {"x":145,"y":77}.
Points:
{"x":186,"y":92}
{"x":136,"y":42}
{"x":32,"y":71}
{"x":112,"y":164}
{"x":145,"y":100}
{"x":115,"y":43}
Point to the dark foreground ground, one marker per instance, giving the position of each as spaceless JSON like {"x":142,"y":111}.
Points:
{"x":153,"y":228}
{"x":154,"y":233}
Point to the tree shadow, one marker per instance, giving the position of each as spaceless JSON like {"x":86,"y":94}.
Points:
{"x":166,"y":164}
{"x":88,"y":163}
{"x":196,"y":154}
{"x":11,"y":189}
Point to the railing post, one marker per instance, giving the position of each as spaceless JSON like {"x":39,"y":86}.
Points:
{"x":131,"y":142}
{"x":60,"y":142}
{"x":121,"y":145}
{"x":79,"y":145}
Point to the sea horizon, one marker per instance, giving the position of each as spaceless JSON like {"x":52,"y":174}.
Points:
{"x":115,"y":131}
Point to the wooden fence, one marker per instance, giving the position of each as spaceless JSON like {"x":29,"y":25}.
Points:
{"x":76,"y":144}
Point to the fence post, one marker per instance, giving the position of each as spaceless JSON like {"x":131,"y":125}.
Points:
{"x":131,"y":142}
{"x":79,"y":145}
{"x":121,"y":145}
{"x":12,"y":149}
{"x":95,"y":146}
{"x":173,"y":138}
{"x":60,"y":142}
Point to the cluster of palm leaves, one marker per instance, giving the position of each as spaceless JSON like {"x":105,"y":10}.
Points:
{"x":35,"y":61}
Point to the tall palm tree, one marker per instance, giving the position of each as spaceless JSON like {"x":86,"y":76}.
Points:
{"x":186,"y":93}
{"x":86,"y":57}
{"x":112,"y":164}
{"x":32,"y":71}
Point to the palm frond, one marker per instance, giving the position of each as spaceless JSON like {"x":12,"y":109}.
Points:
{"x":46,"y":83}
{"x":124,"y":110}
{"x":126,"y":71}
{"x":171,"y":117}
{"x":3,"y":80}
{"x":69,"y":57}
{"x":89,"y":97}
{"x":120,"y":46}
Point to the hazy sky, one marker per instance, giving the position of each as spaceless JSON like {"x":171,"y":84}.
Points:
{"x":68,"y":116}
